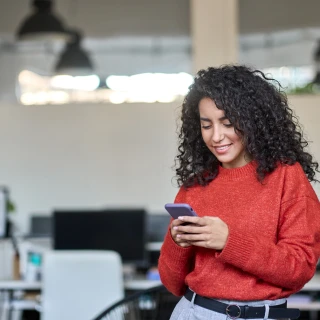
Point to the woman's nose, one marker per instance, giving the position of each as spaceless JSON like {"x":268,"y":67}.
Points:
{"x":217,"y":136}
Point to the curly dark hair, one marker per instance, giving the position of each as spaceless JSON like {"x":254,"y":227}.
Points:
{"x":259,"y":112}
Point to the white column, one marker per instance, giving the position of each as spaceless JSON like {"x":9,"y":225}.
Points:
{"x":214,"y":32}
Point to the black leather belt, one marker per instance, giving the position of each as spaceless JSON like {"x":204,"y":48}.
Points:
{"x":235,"y":311}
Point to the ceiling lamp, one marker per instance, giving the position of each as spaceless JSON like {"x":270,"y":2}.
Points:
{"x":74,"y":60}
{"x":42,"y":24}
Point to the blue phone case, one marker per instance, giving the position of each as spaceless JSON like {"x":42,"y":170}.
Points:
{"x":179,"y":209}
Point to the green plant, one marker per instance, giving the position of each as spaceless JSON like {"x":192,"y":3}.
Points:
{"x":309,"y":88}
{"x":10,"y":206}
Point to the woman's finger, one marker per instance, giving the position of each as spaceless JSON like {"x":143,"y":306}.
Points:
{"x":194,"y":220}
{"x":191,"y":228}
{"x":192,"y":237}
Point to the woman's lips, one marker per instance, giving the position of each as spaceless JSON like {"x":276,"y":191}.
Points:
{"x":222,"y":149}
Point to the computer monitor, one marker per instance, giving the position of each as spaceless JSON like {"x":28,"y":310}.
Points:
{"x":40,"y":226}
{"x":157,"y":226}
{"x":121,"y":230}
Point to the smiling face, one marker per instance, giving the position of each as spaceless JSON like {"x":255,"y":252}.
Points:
{"x":219,"y":135}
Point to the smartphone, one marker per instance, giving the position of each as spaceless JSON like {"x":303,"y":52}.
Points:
{"x":179,"y":209}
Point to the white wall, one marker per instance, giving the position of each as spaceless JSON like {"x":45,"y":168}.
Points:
{"x":307,"y":108}
{"x":276,"y":49}
{"x":100,"y":155}
{"x":87,"y":155}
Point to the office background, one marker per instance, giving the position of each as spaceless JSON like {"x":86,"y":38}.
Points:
{"x":103,"y":155}
{"x":100,"y":155}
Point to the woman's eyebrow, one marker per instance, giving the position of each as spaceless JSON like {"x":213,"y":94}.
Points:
{"x":208,"y":120}
{"x":205,"y":119}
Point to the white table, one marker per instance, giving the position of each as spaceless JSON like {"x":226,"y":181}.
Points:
{"x":313,"y":284}
{"x":13,"y":285}
{"x":312,"y":306}
{"x":141,"y":284}
{"x":8,"y":288}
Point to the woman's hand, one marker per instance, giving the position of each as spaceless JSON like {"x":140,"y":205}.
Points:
{"x":176,"y":223}
{"x":207,"y":232}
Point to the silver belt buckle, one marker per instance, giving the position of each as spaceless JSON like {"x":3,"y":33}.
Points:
{"x":228,"y":309}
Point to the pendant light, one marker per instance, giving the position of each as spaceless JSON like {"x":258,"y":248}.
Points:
{"x":74,"y":60}
{"x":42,"y":24}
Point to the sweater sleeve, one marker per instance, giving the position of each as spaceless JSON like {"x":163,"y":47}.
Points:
{"x":291,"y":261}
{"x":175,"y":262}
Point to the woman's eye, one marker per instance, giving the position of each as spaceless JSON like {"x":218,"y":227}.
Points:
{"x":205,"y":127}
{"x":228,"y":125}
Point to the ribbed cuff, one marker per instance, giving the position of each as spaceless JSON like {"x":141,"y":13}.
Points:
{"x":238,"y":249}
{"x":176,"y":256}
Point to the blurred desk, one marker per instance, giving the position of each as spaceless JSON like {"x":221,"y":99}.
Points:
{"x":312,"y":306}
{"x":14,"y":285}
{"x":134,"y":284}
{"x":141,"y":284}
{"x":313,"y":284}
{"x":154,"y":246}
{"x":9,"y":288}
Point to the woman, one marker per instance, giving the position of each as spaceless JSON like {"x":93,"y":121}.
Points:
{"x":244,"y":169}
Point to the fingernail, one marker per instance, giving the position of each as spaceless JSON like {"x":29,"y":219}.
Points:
{"x":175,"y":228}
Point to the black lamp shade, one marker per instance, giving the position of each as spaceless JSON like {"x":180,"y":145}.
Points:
{"x":316,"y":58}
{"x":42,"y":24}
{"x":74,"y":60}
{"x":316,"y":79}
{"x":316,"y":55}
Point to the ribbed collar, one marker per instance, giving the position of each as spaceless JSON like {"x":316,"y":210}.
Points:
{"x":238,"y":173}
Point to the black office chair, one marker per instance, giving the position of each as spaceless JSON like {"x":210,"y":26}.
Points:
{"x":156,"y":303}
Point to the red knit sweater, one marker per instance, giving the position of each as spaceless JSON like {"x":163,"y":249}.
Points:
{"x":273,"y":243}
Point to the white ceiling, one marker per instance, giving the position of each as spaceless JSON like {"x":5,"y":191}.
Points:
{"x":113,"y":18}
{"x":134,"y":36}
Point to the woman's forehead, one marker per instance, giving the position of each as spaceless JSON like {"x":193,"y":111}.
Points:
{"x":208,"y":106}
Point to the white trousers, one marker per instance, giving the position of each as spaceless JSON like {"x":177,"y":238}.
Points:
{"x":187,"y":310}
